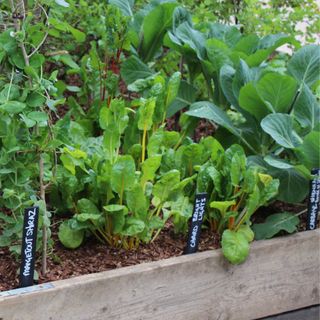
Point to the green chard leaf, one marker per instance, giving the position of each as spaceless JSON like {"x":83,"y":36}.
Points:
{"x":123,"y":174}
{"x":235,"y":246}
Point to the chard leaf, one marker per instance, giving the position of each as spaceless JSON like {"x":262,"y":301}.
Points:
{"x":70,"y":238}
{"x":275,"y":223}
{"x":237,"y":168}
{"x":222,"y":206}
{"x":117,"y":214}
{"x":118,"y":221}
{"x":247,"y":232}
{"x":235,"y":246}
{"x":133,"y":227}
{"x":217,"y":178}
{"x":123,"y":174}
{"x":253,"y":203}
{"x":163,"y":188}
{"x":114,"y":208}
{"x":137,"y":201}
{"x":269,"y":191}
{"x":146,"y":111}
{"x":105,"y":117}
{"x":173,"y":87}
{"x":87,"y":206}
{"x":161,"y":140}
{"x":182,"y":207}
{"x":149,"y":168}
{"x":191,"y":155}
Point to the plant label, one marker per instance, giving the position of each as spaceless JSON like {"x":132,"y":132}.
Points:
{"x":314,"y":197}
{"x":196,"y":222}
{"x":28,"y":248}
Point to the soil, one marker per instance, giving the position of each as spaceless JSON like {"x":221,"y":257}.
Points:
{"x":95,"y":257}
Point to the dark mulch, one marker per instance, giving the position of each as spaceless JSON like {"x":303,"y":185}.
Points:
{"x":94,"y":257}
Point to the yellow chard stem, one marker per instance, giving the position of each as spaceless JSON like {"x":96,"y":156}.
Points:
{"x":143,"y":155}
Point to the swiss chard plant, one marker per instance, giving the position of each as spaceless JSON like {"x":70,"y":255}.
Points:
{"x":236,"y":190}
{"x":122,"y":193}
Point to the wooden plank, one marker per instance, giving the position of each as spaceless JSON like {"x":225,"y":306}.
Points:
{"x":281,"y":274}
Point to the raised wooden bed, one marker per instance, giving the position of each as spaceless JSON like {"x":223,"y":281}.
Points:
{"x":281,"y":274}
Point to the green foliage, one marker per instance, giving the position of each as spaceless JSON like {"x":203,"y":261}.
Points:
{"x":236,"y":191}
{"x":280,"y":112}
{"x":110,"y":163}
{"x":235,"y":246}
{"x":274,"y":224}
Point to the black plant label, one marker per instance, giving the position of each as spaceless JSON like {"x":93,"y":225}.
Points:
{"x":28,"y":248}
{"x":314,"y":198}
{"x":196,"y":222}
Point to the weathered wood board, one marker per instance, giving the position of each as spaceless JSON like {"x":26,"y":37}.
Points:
{"x":281,"y":274}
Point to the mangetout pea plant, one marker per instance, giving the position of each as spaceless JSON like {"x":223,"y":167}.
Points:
{"x":28,"y":155}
